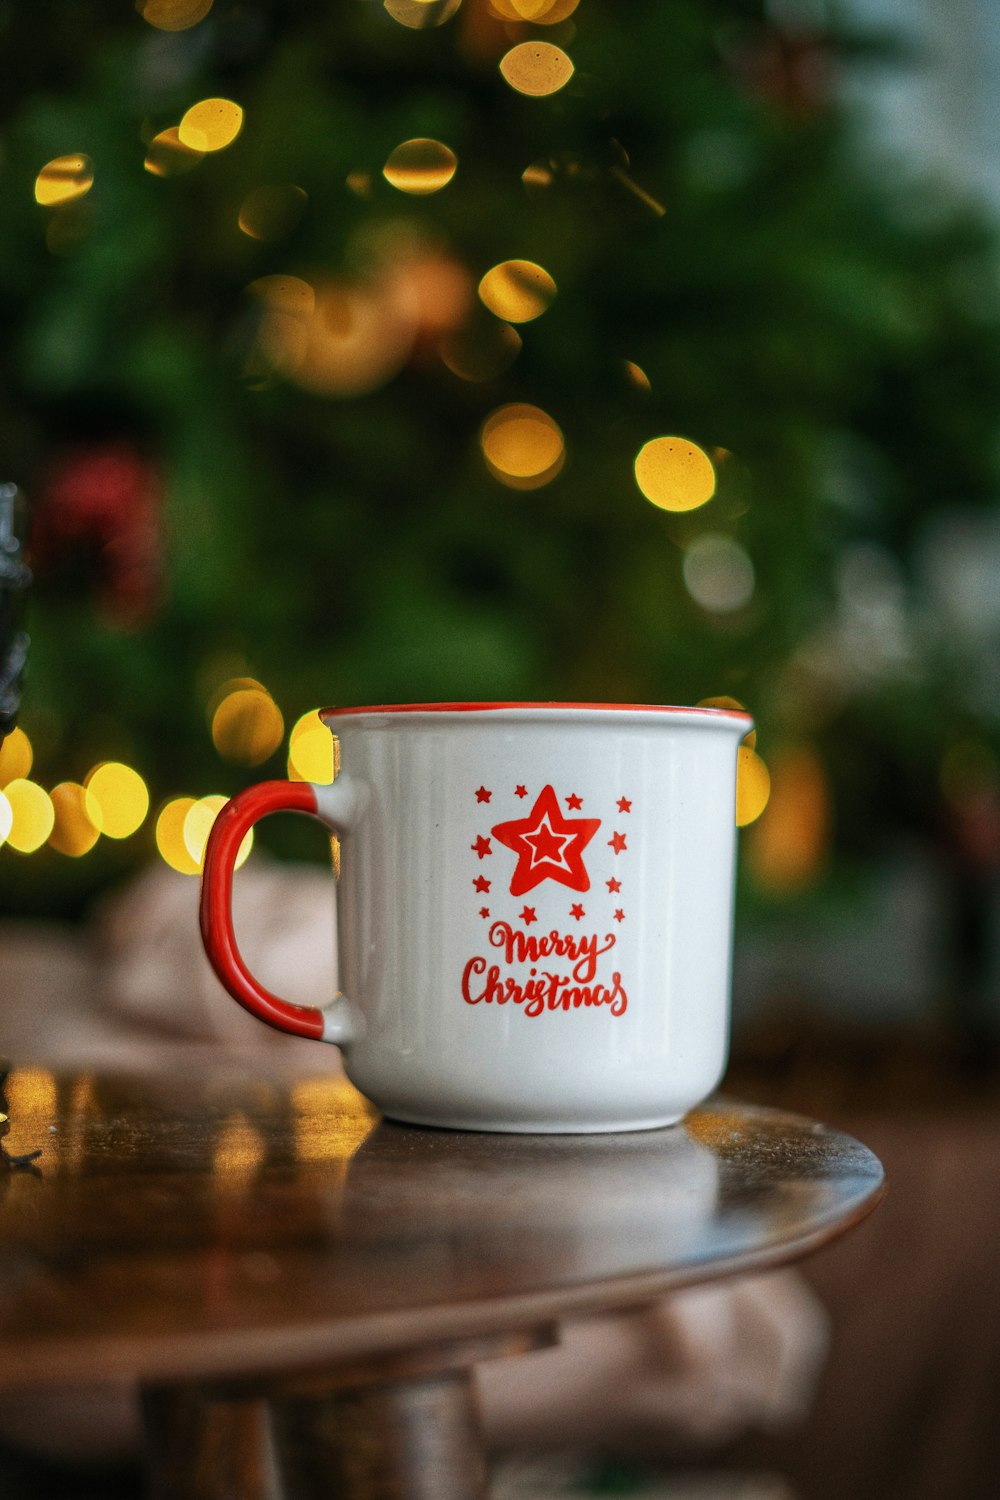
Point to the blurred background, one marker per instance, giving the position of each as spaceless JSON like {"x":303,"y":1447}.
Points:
{"x":528,"y":349}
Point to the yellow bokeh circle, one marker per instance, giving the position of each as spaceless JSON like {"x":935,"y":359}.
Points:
{"x":16,"y":756}
{"x":536,"y":68}
{"x":168,"y":156}
{"x":77,"y":825}
{"x":121,"y":798}
{"x":247,"y":726}
{"x":173,"y":15}
{"x":311,"y":750}
{"x":210,"y":125}
{"x":522,"y":445}
{"x":517,"y":290}
{"x":753,"y":786}
{"x":6,"y":818}
{"x":63,"y":180}
{"x":197,"y":825}
{"x":170,"y":835}
{"x":32,"y":815}
{"x":420,"y":166}
{"x":674,"y":473}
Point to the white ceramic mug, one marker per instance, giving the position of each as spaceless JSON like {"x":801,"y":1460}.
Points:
{"x":534,"y":910}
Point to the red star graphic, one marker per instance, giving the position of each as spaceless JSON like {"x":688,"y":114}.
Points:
{"x":614,"y":886}
{"x":484,"y":911}
{"x":577,"y":911}
{"x":520,"y":791}
{"x":481,"y":847}
{"x":624,"y":805}
{"x":619,"y":915}
{"x":575,"y":801}
{"x":616,"y":841}
{"x":548,"y":846}
{"x":528,"y":915}
{"x":482,"y":884}
{"x":483,"y":795}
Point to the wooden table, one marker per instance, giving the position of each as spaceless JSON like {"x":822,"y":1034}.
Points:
{"x":300,"y":1287}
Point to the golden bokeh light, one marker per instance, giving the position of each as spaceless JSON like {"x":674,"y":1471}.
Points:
{"x":6,"y":818}
{"x":16,"y":756}
{"x":170,"y":835}
{"x":718,"y":573}
{"x":32,"y":815}
{"x":271,"y":212}
{"x":722,"y":700}
{"x":311,"y":750}
{"x":636,"y":375}
{"x":63,"y":180}
{"x":788,"y":848}
{"x":420,"y":14}
{"x":173,"y":15}
{"x":121,"y":798}
{"x":753,"y":786}
{"x":247,"y":726}
{"x":517,"y":290}
{"x":537,"y":12}
{"x":285,"y":294}
{"x":356,"y":339}
{"x":197,"y":825}
{"x":210,"y":125}
{"x":168,"y":156}
{"x":536,"y":68}
{"x":420,"y":167}
{"x":522,"y":445}
{"x":482,"y":351}
{"x":674,"y":474}
{"x":77,"y":825}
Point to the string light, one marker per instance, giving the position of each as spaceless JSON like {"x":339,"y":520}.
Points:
{"x":311,"y":750}
{"x":210,"y":125}
{"x":420,"y":167}
{"x":120,"y":798}
{"x":674,"y":473}
{"x":536,"y":68}
{"x":522,"y":445}
{"x":16,"y":756}
{"x":63,"y":180}
{"x":77,"y":825}
{"x":32,"y":815}
{"x":517,"y":290}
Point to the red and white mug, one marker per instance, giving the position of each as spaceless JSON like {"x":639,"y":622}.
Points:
{"x":534,"y":910}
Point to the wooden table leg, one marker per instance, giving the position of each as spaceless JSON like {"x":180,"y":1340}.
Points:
{"x":404,"y":1440}
{"x":399,"y":1426}
{"x":201,"y":1447}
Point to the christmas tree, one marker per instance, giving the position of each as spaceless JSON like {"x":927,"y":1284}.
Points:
{"x":457,"y":349}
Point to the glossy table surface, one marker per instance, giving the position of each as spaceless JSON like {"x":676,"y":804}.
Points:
{"x":185,"y":1227}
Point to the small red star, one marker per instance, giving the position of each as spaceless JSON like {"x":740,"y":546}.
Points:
{"x":576,"y":910}
{"x":481,"y":847}
{"x":617,"y":842}
{"x":619,"y":915}
{"x":484,"y":911}
{"x":520,"y":791}
{"x":528,"y":915}
{"x":614,"y":886}
{"x":575,"y":802}
{"x":483,"y":795}
{"x":482,"y":884}
{"x":624,"y":805}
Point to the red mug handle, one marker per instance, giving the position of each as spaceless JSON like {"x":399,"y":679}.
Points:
{"x":337,"y":807}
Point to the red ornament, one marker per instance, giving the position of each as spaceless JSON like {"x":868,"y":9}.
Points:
{"x":106,"y":501}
